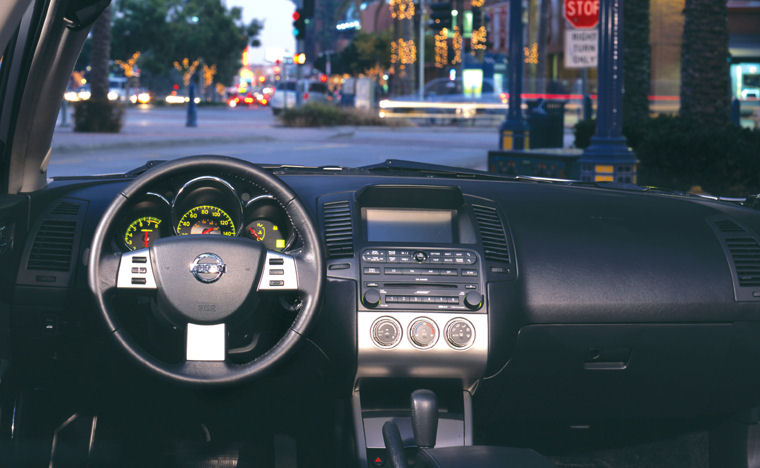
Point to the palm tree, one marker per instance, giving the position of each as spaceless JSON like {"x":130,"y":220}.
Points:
{"x":705,"y":80}
{"x":98,"y":114}
{"x":636,"y":61}
{"x":101,"y":53}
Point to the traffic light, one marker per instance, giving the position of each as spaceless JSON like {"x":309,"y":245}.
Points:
{"x":299,"y":25}
{"x":440,"y":16}
{"x":299,"y":59}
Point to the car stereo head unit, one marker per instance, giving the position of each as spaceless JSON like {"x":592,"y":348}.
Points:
{"x":434,"y":279}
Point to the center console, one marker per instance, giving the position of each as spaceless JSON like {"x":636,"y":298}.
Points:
{"x":422,"y":305}
{"x":420,"y":262}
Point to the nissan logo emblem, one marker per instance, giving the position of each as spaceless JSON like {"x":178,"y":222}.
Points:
{"x":207,"y":267}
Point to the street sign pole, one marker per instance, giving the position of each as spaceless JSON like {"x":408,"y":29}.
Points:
{"x":421,"y":48}
{"x":608,"y":158}
{"x":513,"y":132}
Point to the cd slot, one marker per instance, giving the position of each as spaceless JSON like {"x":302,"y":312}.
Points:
{"x":418,"y":285}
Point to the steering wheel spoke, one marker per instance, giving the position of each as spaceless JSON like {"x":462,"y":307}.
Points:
{"x":136,"y":271}
{"x":279,"y":273}
{"x":206,"y":342}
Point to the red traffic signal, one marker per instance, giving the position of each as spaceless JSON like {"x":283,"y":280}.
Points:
{"x":296,"y":15}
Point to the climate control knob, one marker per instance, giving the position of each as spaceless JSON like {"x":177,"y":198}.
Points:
{"x":386,"y":332}
{"x":423,"y":333}
{"x":473,"y":300}
{"x":371,"y":298}
{"x":460,"y":333}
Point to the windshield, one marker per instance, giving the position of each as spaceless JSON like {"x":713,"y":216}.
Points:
{"x":354,"y":84}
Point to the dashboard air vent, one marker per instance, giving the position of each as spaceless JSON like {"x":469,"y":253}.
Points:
{"x":339,"y":230}
{"x":492,"y":234}
{"x":66,"y":209}
{"x":53,"y":246}
{"x":745,"y":252}
{"x":741,"y":247}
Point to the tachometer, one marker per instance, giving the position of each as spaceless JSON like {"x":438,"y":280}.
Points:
{"x":142,"y":232}
{"x":206,"y":219}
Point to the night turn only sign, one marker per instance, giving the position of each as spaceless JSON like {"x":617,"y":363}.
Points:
{"x":581,"y":48}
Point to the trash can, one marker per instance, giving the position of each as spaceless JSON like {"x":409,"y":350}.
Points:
{"x":547,"y":123}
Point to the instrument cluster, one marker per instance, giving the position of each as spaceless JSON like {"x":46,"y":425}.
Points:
{"x":205,"y":205}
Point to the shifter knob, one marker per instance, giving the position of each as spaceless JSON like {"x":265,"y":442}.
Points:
{"x":424,"y":417}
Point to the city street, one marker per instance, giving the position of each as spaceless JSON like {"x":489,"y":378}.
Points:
{"x":255,"y":135}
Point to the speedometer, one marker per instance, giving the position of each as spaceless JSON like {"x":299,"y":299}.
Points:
{"x":206,"y":219}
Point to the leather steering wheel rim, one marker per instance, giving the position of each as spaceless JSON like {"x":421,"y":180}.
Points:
{"x":310,"y":273}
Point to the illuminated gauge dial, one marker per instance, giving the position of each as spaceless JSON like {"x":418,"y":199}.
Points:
{"x":206,"y":219}
{"x":266,"y":232}
{"x":142,"y":232}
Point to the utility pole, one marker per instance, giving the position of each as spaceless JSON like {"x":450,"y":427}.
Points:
{"x":421,"y":50}
{"x":608,"y":158}
{"x":514,"y":132}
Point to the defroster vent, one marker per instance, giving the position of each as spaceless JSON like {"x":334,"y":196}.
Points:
{"x":339,"y":229}
{"x":492,"y":234}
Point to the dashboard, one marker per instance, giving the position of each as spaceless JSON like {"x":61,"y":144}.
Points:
{"x":541,"y":302}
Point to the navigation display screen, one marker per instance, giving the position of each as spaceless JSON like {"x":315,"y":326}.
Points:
{"x":409,"y":225}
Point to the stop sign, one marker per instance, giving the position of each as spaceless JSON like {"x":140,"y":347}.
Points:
{"x":582,"y":13}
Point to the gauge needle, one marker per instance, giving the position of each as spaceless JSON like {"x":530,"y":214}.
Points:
{"x":145,"y":239}
{"x":254,"y":233}
{"x":207,"y":230}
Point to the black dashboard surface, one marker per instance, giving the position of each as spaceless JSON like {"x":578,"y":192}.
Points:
{"x":597,"y":277}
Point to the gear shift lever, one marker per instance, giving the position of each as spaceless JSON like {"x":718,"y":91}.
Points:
{"x":424,"y":417}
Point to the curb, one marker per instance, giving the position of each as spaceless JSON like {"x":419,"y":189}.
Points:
{"x":65,"y":148}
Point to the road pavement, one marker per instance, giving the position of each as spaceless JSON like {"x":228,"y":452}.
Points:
{"x":255,"y":135}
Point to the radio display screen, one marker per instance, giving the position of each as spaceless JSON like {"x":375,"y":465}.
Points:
{"x":409,"y":225}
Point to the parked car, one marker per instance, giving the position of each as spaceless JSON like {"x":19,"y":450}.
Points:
{"x":285,"y":94}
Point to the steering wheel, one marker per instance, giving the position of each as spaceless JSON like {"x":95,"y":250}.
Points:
{"x":202,"y":281}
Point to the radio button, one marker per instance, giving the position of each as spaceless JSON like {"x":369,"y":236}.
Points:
{"x":371,"y":298}
{"x":371,"y":271}
{"x":420,"y":256}
{"x":436,"y":260}
{"x":448,"y":260}
{"x":394,"y":271}
{"x":473,"y":300}
{"x":469,"y":272}
{"x":449,"y":273}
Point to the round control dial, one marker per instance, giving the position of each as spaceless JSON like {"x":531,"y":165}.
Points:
{"x":386,"y":332}
{"x":459,"y":333}
{"x":423,"y":333}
